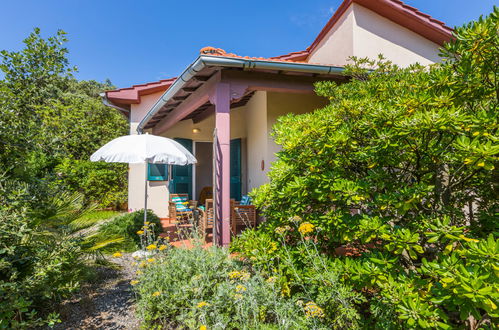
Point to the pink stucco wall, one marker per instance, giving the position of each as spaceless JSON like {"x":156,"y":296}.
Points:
{"x":363,"y":33}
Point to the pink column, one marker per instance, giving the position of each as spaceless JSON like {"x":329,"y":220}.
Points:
{"x":222,"y":123}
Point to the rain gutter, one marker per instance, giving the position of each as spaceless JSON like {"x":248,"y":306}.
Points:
{"x":106,"y":102}
{"x":204,"y":61}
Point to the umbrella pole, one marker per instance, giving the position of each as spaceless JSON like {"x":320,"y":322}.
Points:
{"x":145,"y":196}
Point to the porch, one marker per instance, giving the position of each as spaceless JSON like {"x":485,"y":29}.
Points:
{"x":224,"y":116}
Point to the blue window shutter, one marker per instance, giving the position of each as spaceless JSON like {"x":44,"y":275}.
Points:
{"x":181,"y":182}
{"x":157,"y":172}
{"x":235,"y":169}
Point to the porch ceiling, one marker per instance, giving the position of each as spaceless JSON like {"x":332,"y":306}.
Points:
{"x":193,"y":90}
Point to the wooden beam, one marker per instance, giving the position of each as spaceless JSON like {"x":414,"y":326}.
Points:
{"x":190,"y":89}
{"x":203,"y":115}
{"x":201,"y":78}
{"x":194,"y":101}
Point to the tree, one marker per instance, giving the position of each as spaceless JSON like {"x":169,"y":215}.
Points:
{"x":50,"y":122}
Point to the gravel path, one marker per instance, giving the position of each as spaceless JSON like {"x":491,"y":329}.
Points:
{"x":106,"y":304}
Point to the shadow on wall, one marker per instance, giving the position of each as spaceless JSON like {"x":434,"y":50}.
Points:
{"x":399,"y":36}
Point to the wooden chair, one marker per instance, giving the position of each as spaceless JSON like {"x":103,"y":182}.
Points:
{"x":177,"y":212}
{"x":206,"y":193}
{"x":206,"y":219}
{"x":243,"y":215}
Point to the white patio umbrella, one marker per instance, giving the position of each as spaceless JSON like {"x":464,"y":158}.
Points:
{"x":144,"y":148}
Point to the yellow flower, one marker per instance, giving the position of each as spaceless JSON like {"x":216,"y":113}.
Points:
{"x":306,"y":228}
{"x":162,"y":247}
{"x":271,"y":279}
{"x":142,"y":264}
{"x":202,"y":304}
{"x":240,"y":288}
{"x":151,"y":260}
{"x":134,"y":282}
{"x":312,"y":310}
{"x":117,"y":255}
{"x":468,"y":161}
{"x":146,"y":223}
{"x":156,"y":294}
{"x":486,"y":134}
{"x":151,"y":247}
{"x":481,"y":164}
{"x":238,"y":296}
{"x":285,"y":291}
{"x":139,"y":272}
{"x":239,"y":275}
{"x":280,"y":230}
{"x":476,"y":133}
{"x":235,"y":274}
{"x":203,"y":327}
{"x":140,"y":232}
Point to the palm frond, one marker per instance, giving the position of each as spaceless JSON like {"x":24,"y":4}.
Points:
{"x":106,"y":243}
{"x":92,"y":218}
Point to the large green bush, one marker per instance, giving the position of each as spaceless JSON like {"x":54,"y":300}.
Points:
{"x":400,"y":170}
{"x":190,"y":288}
{"x":40,"y":263}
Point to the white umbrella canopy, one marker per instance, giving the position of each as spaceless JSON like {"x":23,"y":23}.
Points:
{"x":144,"y":148}
{"x":135,"y":149}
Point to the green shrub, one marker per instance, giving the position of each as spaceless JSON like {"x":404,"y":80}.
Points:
{"x":101,"y":183}
{"x":190,"y":288}
{"x":37,"y":269}
{"x":399,"y":173}
{"x":121,"y":232}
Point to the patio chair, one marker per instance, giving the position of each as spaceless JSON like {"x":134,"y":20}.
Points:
{"x":206,"y":218}
{"x":206,"y":193}
{"x":181,"y":208}
{"x":243,"y":214}
{"x":207,"y":215}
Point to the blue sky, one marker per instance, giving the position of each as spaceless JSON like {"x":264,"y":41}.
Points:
{"x":132,"y":42}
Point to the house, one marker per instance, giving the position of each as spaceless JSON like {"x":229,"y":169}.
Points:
{"x":222,"y":107}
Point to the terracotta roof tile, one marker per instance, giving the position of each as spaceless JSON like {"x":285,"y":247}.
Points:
{"x":294,"y":57}
{"x":131,"y":95}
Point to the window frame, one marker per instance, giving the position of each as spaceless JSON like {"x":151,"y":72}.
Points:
{"x":157,"y":177}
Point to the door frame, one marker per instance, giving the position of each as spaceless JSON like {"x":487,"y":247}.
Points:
{"x":194,"y":148}
{"x":171,"y":184}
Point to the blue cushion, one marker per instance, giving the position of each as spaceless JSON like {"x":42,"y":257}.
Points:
{"x":180,"y":203}
{"x":245,"y":200}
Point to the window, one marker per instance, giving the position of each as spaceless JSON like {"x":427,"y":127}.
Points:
{"x":157,"y":172}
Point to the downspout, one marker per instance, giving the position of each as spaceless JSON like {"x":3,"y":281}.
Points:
{"x":106,"y":102}
{"x":219,"y":61}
